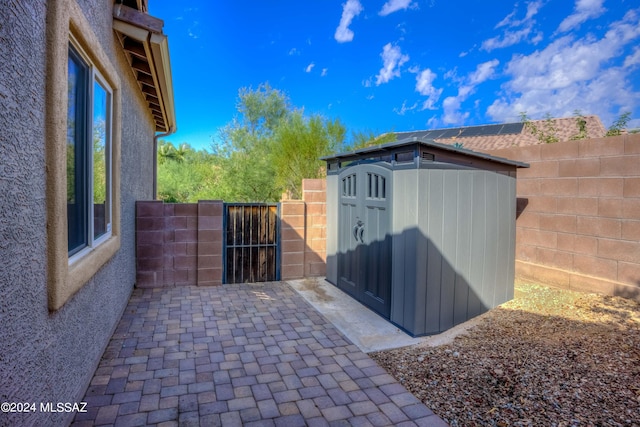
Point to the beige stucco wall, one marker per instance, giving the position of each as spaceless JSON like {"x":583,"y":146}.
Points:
{"x":49,"y":351}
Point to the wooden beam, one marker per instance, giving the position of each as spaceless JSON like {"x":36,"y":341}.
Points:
{"x":146,"y":80}
{"x":149,"y":90}
{"x":141,"y":66}
{"x":139,"y":19}
{"x":135,"y":48}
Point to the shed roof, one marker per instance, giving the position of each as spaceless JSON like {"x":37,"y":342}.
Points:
{"x":425,"y":142}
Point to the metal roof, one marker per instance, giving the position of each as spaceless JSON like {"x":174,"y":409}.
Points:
{"x":425,"y":142}
{"x":463,"y":132}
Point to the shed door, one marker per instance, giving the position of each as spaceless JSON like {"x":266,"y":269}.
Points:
{"x":364,"y":241}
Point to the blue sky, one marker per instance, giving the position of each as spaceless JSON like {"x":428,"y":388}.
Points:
{"x":402,"y":65}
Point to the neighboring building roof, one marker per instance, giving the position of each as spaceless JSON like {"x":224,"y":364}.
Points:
{"x":494,"y":137}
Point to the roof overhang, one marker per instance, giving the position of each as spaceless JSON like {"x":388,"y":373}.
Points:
{"x":430,"y":143}
{"x":147,"y":52}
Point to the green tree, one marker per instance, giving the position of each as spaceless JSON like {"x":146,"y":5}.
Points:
{"x":369,"y":138}
{"x":189,"y":177}
{"x":547,"y":133}
{"x":619,"y":125}
{"x":581,"y":123}
{"x":299,"y":142}
{"x":270,"y":146}
{"x":166,"y":151}
{"x":99,"y":163}
{"x":247,"y":144}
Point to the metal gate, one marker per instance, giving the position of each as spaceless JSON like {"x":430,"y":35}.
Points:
{"x":252,"y":242}
{"x":364,"y":237}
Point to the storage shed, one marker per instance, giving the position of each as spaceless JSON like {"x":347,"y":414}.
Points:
{"x":423,"y":233}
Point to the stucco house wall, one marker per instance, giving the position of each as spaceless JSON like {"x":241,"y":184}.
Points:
{"x":50,"y":355}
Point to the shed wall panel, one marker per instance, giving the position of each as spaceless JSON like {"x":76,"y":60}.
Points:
{"x":404,"y":244}
{"x":450,"y":229}
{"x":491,"y":241}
{"x":463,"y":247}
{"x":505,"y":254}
{"x":478,"y":239}
{"x":332,"y":228}
{"x":431,"y":232}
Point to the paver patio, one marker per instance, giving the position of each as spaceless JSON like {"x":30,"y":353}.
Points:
{"x":248,"y":354}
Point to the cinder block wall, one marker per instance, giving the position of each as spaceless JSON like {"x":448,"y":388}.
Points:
{"x":178,"y":244}
{"x":292,"y":234}
{"x":314,"y":194}
{"x":579,"y":214}
{"x":304,"y":232}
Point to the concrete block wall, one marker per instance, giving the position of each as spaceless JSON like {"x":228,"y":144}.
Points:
{"x":314,"y":194}
{"x":579,"y":214}
{"x":178,"y":244}
{"x":150,"y":226}
{"x":304,"y":232}
{"x":210,"y":235}
{"x":292,"y":235}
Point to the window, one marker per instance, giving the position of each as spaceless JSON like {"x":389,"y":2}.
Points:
{"x":349,"y":186}
{"x":88,"y":155}
{"x":404,"y":157}
{"x":376,"y":186}
{"x":83,"y":100}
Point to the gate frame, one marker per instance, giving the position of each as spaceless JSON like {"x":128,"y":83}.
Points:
{"x":278,"y":245}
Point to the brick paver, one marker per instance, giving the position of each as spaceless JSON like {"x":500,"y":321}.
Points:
{"x":246,"y":354}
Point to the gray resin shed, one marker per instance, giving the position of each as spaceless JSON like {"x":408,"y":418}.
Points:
{"x":422,"y":233}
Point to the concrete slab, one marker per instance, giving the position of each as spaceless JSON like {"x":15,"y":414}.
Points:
{"x":365,"y":328}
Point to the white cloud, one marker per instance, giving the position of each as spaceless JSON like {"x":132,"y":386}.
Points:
{"x":324,"y":72}
{"x":402,"y":110}
{"x":395,"y":5}
{"x":309,"y":67}
{"x":392,"y":59}
{"x":424,"y":86}
{"x":532,"y":10}
{"x":574,"y":74}
{"x":452,"y":104}
{"x":452,"y":114}
{"x":517,"y":30}
{"x":483,"y":72}
{"x":350,"y":10}
{"x":633,"y":59}
{"x":582,"y":11}
{"x":294,"y":51}
{"x":510,"y":38}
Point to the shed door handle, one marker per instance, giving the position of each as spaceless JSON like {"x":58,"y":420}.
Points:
{"x":358,"y":231}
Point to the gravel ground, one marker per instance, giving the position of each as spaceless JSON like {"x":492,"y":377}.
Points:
{"x":550,"y":357}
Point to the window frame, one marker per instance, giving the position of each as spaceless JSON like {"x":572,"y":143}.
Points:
{"x":84,"y":147}
{"x":68,"y":25}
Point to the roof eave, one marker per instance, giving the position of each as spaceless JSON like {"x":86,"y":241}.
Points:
{"x":147,"y":51}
